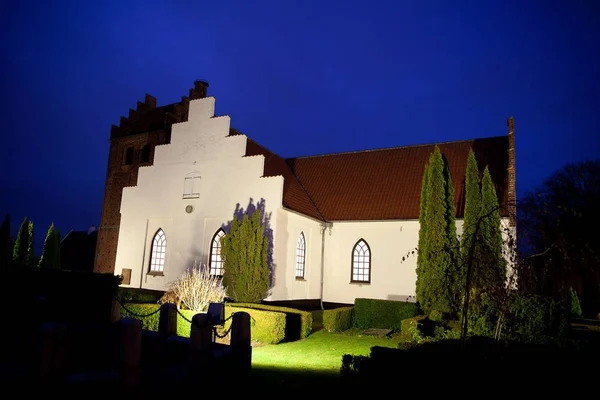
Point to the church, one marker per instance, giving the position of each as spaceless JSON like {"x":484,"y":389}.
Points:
{"x":338,"y":224}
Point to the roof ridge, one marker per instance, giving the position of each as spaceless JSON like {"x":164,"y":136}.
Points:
{"x":393,"y":148}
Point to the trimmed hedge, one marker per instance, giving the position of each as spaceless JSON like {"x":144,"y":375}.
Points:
{"x":135,"y":295}
{"x":338,"y":319}
{"x":266,"y":326}
{"x":298,"y":323}
{"x":382,"y":314}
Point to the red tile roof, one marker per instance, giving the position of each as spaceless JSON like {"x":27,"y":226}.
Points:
{"x":386,"y":183}
{"x":377,"y":184}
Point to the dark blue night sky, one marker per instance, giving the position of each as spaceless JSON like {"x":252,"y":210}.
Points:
{"x":300,"y":77}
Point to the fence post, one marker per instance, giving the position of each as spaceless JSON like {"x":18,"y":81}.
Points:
{"x":241,"y":341}
{"x":200,"y":345}
{"x":167,"y":322}
{"x":115,"y":311}
{"x":130,"y":351}
{"x":53,"y":341}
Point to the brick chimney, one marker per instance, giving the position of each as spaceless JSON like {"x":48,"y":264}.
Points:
{"x":199,"y":90}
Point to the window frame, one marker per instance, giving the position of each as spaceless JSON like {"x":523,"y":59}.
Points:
{"x":301,"y":238}
{"x":158,"y":247}
{"x":195,"y":179}
{"x":210,"y":254}
{"x":146,"y":149}
{"x":128,"y":156}
{"x":352,"y":265}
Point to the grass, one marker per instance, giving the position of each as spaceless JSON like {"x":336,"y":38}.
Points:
{"x":318,"y":358}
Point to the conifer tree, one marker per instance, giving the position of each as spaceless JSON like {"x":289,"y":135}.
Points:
{"x":51,"y":252}
{"x":30,"y":246}
{"x":435,"y":282}
{"x":494,"y":264}
{"x":21,"y":244}
{"x":452,"y":244}
{"x":6,"y":247}
{"x":244,"y":252}
{"x":421,"y":258}
{"x":472,"y":213}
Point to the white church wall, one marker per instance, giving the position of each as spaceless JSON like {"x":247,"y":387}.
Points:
{"x":201,"y":149}
{"x":391,"y":279}
{"x":287,"y":287}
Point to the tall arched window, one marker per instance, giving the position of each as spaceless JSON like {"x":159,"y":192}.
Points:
{"x":128,"y":156}
{"x":216,"y":262}
{"x":145,"y":156}
{"x":361,"y":262}
{"x":300,"y":253}
{"x":159,"y":248}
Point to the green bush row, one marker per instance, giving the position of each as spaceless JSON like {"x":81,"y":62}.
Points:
{"x":338,"y":319}
{"x":266,"y":326}
{"x":382,"y":314}
{"x":298,"y":323}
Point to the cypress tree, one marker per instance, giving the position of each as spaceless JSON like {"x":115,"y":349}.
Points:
{"x":5,"y":243}
{"x":51,"y":252}
{"x":454,"y":274}
{"x":494,"y":269}
{"x":21,"y":244}
{"x":244,"y":251}
{"x":472,"y":214}
{"x":421,"y":258}
{"x":30,"y":246}
{"x":436,"y":282}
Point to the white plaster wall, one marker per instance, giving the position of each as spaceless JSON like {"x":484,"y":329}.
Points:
{"x":289,"y":226}
{"x":391,"y":279}
{"x":198,"y":146}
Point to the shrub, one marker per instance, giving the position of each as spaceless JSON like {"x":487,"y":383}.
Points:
{"x":147,"y":314}
{"x":410,"y":330}
{"x":298,"y":323}
{"x":382,"y":314}
{"x":136,"y":295}
{"x":575,"y":305}
{"x":196,"y":288}
{"x":338,"y":319}
{"x":535,"y":319}
{"x":244,"y":251}
{"x":436,"y":316}
{"x":267,"y":327}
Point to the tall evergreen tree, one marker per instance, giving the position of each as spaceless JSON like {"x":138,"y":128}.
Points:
{"x":435,"y":280}
{"x":51,"y":252}
{"x":472,"y":214}
{"x":21,"y":244}
{"x":453,"y":248}
{"x":6,"y":247}
{"x":421,"y":258}
{"x":491,"y":234}
{"x":30,"y":246}
{"x":244,"y":251}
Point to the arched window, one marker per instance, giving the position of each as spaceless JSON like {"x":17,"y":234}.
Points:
{"x":300,"y":253}
{"x":216,"y":262}
{"x":145,"y":156}
{"x":361,"y":262}
{"x":128,"y":156}
{"x":159,"y":248}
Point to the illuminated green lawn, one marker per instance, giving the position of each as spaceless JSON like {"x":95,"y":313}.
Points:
{"x":318,"y":357}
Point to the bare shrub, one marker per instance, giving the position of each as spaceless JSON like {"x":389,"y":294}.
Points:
{"x":196,"y":288}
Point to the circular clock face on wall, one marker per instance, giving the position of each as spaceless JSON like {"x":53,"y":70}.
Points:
{"x":189,"y":209}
